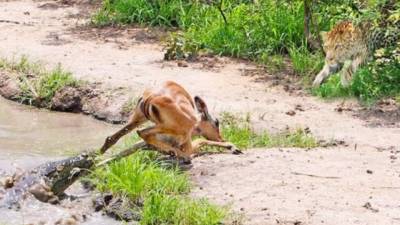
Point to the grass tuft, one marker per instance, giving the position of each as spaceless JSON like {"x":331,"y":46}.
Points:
{"x":162,"y":191}
{"x":38,"y":85}
{"x":238,"y":131}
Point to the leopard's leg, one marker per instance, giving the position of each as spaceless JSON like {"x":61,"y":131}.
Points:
{"x":325,"y":73}
{"x":346,"y":73}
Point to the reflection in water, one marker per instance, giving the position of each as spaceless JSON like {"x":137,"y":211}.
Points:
{"x":29,"y":136}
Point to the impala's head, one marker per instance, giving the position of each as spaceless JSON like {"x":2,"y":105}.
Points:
{"x":207,"y":127}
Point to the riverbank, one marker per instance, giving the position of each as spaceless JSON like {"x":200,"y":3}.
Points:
{"x":29,"y":83}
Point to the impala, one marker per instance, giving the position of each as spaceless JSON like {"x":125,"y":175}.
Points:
{"x":176,"y":120}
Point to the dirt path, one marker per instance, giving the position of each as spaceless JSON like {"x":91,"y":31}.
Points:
{"x":44,"y":31}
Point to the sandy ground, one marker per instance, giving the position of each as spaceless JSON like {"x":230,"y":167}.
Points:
{"x":263,"y":182}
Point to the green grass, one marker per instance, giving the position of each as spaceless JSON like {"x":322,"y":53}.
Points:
{"x":252,"y":31}
{"x":238,"y":130}
{"x":163,"y":191}
{"x":332,"y":88}
{"x":369,"y":84}
{"x":166,"y":13}
{"x":38,"y":85}
{"x":305,"y":63}
{"x":169,"y":209}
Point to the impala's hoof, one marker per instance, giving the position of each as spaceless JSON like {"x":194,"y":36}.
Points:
{"x":237,"y":152}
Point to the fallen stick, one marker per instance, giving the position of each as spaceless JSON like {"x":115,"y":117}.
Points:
{"x":316,"y":176}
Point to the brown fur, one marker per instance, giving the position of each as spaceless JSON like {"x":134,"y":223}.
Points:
{"x":173,"y":112}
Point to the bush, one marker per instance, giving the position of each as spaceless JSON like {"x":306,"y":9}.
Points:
{"x":157,"y":12}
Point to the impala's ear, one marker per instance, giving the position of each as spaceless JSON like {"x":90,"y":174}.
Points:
{"x":201,"y":107}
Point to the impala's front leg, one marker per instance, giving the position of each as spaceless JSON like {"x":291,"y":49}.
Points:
{"x":136,"y":120}
{"x":197,"y":144}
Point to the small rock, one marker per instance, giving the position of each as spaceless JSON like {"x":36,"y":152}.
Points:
{"x":370,"y":172}
{"x":299,"y":108}
{"x":7,"y":182}
{"x":291,"y":113}
{"x":369,"y":207}
{"x":43,"y":193}
{"x":182,"y":64}
{"x":121,"y":209}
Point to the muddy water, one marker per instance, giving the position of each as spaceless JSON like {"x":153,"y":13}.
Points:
{"x":29,"y":137}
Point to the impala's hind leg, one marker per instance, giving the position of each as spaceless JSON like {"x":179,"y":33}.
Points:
{"x":166,"y":141}
{"x":136,"y":120}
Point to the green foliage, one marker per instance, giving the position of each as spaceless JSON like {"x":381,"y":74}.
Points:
{"x":273,"y":62}
{"x":238,"y":131}
{"x":180,"y":210}
{"x":163,"y":191}
{"x":157,"y":12}
{"x":38,"y":85}
{"x":272,"y":26}
{"x":139,"y":175}
{"x":178,"y":47}
{"x":380,"y":78}
{"x":332,"y":88}
{"x":50,"y":82}
{"x":304,"y":62}
{"x":252,"y":30}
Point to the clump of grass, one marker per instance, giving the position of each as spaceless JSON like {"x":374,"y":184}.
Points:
{"x":170,"y":209}
{"x":238,"y":131}
{"x":165,"y":13}
{"x":274,"y":63}
{"x":252,"y":30}
{"x":162,"y":191}
{"x":38,"y":85}
{"x":140,"y":175}
{"x":332,"y":88}
{"x":305,"y":63}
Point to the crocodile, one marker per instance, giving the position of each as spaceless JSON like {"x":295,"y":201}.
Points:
{"x":46,"y":182}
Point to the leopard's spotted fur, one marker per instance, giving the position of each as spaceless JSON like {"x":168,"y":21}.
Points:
{"x":346,"y":47}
